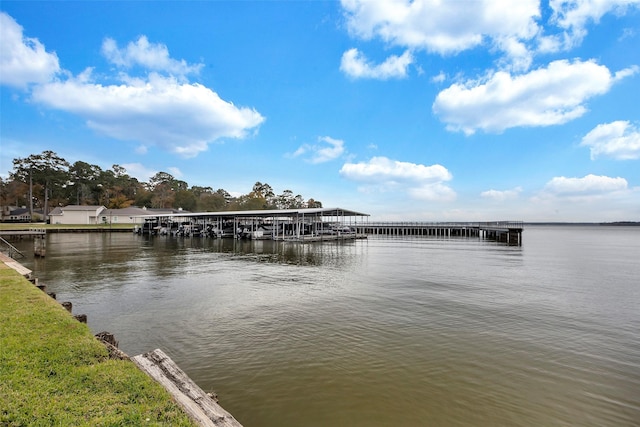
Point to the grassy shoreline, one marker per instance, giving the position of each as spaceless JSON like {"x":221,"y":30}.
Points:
{"x":54,"y":372}
{"x":17,"y":226}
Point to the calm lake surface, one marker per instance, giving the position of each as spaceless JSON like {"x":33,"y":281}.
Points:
{"x":418,"y":331}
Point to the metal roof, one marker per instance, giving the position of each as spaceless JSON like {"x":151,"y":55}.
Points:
{"x":267,"y":213}
{"x":82,"y":208}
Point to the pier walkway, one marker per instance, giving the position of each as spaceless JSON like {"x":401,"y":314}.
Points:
{"x":22,"y":233}
{"x":503,"y":231}
{"x":39,"y":238}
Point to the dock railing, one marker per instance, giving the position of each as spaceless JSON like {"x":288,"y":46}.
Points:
{"x":507,"y":231}
{"x":502,"y":225}
{"x":416,"y":224}
{"x":485,"y":224}
{"x":12,"y":249}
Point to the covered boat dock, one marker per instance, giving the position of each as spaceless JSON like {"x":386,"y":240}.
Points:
{"x":308,"y":224}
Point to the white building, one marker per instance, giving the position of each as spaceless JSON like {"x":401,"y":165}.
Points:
{"x":74,"y":214}
{"x":97,"y":215}
{"x":130,"y":215}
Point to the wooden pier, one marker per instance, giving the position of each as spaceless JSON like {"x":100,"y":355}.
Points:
{"x":39,"y":236}
{"x":509,"y":232}
{"x":32,"y":232}
{"x":318,"y":224}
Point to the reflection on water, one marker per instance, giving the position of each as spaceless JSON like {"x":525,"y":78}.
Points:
{"x":411,"y":332}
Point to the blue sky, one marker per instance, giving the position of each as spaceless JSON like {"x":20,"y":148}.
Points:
{"x":423,"y":110}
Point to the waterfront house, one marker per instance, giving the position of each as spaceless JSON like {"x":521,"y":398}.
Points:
{"x":19,"y":214}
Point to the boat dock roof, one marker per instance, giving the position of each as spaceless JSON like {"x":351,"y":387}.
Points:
{"x":266,"y":213}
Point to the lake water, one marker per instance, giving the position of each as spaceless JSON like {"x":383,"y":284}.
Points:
{"x":417,"y":331}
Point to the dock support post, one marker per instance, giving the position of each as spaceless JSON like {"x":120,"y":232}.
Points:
{"x":40,"y":246}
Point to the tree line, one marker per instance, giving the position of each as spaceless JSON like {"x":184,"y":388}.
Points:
{"x":43,"y":181}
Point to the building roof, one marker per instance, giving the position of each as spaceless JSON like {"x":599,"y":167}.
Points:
{"x":267,"y":213}
{"x":19,"y":211}
{"x":164,"y":211}
{"x":56,"y":211}
{"x":82,"y":208}
{"x":130,"y":211}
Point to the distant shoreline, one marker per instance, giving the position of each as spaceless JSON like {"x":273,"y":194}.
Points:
{"x":21,"y":226}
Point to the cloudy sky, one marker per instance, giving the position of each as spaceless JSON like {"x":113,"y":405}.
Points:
{"x":422,"y":110}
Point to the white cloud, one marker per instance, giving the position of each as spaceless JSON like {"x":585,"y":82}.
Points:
{"x":300,"y":151}
{"x":433,"y":192}
{"x":166,"y":111}
{"x":329,"y":149}
{"x":142,"y":149}
{"x":176,"y":172}
{"x":550,"y":43}
{"x":502,"y":195}
{"x":519,"y":57}
{"x":179,"y":117}
{"x":588,"y":198}
{"x":419,"y":181}
{"x":355,"y":64}
{"x":444,"y":27}
{"x":439,"y":78}
{"x":619,"y":140}
{"x":627,"y":33}
{"x":151,"y":56}
{"x":626,"y":72}
{"x":514,"y":29}
{"x":333,"y":151}
{"x":572,"y":17}
{"x":23,"y":60}
{"x":588,"y":186}
{"x":382,"y":168}
{"x":139,"y":171}
{"x":576,"y":14}
{"x":543,"y":97}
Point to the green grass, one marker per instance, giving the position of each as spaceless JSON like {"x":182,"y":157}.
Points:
{"x":29,"y":225}
{"x":54,"y":372}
